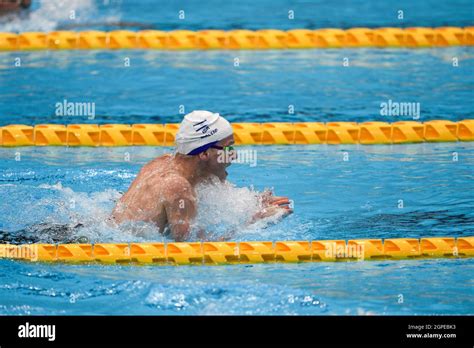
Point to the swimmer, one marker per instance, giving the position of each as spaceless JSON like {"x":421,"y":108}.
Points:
{"x":163,"y":193}
{"x":14,"y":5}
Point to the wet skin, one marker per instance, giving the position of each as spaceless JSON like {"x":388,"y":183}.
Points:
{"x":163,"y":193}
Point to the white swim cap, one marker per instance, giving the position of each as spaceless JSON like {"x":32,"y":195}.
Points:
{"x":200,"y":130}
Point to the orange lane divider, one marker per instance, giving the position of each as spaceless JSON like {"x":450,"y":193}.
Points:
{"x":271,"y":133}
{"x":239,"y":39}
{"x":200,"y":253}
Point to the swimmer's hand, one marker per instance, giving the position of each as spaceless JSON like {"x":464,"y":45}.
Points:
{"x":272,"y":206}
{"x":272,"y":210}
{"x":268,"y":199}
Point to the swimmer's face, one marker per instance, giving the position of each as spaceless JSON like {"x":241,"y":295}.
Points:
{"x":218,"y":160}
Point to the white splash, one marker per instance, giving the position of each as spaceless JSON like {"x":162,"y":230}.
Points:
{"x":49,"y":15}
{"x":92,"y":210}
{"x":224,"y":211}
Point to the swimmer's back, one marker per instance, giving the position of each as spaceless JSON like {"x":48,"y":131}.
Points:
{"x":143,"y":200}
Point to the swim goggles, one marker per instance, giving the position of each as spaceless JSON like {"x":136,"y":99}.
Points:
{"x":210,"y":145}
{"x":225,"y":148}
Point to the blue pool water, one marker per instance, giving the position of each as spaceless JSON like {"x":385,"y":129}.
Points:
{"x":333,"y":198}
{"x":48,"y":15}
{"x":159,"y":85}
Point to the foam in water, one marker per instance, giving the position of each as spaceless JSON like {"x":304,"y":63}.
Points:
{"x":89,"y":209}
{"x":224,"y":212}
{"x":49,"y":15}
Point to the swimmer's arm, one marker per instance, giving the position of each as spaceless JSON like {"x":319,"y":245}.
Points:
{"x":271,"y":205}
{"x":268,"y":198}
{"x":181,"y":207}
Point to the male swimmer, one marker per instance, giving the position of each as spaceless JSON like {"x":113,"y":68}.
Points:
{"x":13,"y":5}
{"x":163,"y":193}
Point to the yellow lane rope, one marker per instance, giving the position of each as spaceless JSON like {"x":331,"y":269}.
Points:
{"x":274,"y":133}
{"x":244,"y":252}
{"x":240,"y":39}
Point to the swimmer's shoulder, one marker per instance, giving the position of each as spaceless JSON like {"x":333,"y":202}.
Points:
{"x":158,"y":165}
{"x":161,"y":172}
{"x":164,"y":158}
{"x":175,"y":179}
{"x":174,"y":185}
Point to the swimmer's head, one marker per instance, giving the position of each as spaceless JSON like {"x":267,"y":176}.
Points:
{"x":200,"y":130}
{"x":207,"y":136}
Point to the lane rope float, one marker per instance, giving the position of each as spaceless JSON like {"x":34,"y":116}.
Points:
{"x":274,"y":133}
{"x":244,"y":252}
{"x":415,"y":37}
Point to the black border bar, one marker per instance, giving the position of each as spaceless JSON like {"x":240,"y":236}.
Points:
{"x":241,"y":330}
